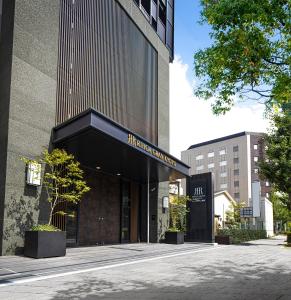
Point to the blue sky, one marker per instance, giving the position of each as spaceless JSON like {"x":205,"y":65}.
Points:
{"x":191,"y":119}
{"x":189,"y":35}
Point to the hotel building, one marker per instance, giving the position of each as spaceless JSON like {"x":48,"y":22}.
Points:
{"x":234,"y":161}
{"x":91,"y":77}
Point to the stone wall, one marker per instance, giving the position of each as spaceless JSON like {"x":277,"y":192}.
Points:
{"x":31,"y":113}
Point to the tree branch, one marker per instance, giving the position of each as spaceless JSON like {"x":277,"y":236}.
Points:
{"x":274,"y":62}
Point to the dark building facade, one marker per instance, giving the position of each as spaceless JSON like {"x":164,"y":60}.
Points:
{"x":91,"y":77}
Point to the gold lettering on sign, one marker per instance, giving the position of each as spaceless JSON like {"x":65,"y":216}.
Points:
{"x":132,"y":140}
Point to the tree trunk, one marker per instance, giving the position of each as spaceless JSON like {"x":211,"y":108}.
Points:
{"x":50,"y":218}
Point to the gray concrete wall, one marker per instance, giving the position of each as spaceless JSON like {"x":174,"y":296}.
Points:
{"x":6,"y":41}
{"x":31,"y":113}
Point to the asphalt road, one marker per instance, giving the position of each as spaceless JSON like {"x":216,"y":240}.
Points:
{"x":257,"y":270}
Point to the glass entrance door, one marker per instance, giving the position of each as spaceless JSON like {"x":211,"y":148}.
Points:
{"x":71,"y":224}
{"x":125,"y":212}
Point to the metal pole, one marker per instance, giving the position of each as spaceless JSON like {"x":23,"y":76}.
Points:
{"x":148,"y":202}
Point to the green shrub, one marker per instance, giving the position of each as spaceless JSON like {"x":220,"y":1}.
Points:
{"x":44,"y":227}
{"x":242,"y":235}
{"x":172,"y":229}
{"x":289,"y":237}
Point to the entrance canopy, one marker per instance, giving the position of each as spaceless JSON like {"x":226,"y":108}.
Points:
{"x":100,"y":143}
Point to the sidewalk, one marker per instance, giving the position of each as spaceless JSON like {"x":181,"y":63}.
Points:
{"x":257,"y":270}
{"x":15,"y":268}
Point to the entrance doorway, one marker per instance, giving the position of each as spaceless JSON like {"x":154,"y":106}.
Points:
{"x":125,"y":212}
{"x":130,"y":205}
{"x":109,"y":213}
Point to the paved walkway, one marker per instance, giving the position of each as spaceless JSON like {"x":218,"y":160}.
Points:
{"x":18,"y":268}
{"x":258,"y":270}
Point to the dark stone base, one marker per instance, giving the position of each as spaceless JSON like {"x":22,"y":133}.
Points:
{"x":41,"y":244}
{"x":225,"y":240}
{"x":174,"y":237}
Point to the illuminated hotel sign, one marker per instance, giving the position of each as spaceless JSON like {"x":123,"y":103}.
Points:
{"x":132,"y":140}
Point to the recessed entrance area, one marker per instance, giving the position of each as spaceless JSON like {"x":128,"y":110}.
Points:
{"x":124,"y":172}
{"x":110,"y":213}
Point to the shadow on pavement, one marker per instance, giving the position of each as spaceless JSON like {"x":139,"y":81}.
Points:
{"x":259,"y":244}
{"x":227,"y":281}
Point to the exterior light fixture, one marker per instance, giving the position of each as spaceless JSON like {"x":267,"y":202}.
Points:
{"x":98,"y":168}
{"x":165,"y":202}
{"x":118,"y":174}
{"x":33,"y":175}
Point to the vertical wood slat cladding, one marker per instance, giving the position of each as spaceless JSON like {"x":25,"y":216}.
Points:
{"x":106,"y":63}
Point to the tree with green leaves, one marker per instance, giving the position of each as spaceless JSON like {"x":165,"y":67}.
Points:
{"x":178,"y":210}
{"x":281,"y":212}
{"x":233,"y":218}
{"x":250,"y":55}
{"x":277,"y":167}
{"x":63,"y":179}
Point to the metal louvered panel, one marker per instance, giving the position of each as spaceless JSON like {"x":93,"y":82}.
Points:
{"x":106,"y":63}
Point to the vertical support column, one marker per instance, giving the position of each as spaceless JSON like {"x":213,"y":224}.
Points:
{"x":148,"y":202}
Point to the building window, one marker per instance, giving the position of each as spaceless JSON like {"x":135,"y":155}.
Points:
{"x":223,"y":163}
{"x":236,"y":172}
{"x":224,"y":174}
{"x":162,"y":12}
{"x":222,"y":169}
{"x":199,"y":168}
{"x":222,"y":152}
{"x":211,"y":166}
{"x":256,"y":158}
{"x":267,"y":195}
{"x":154,"y":11}
{"x":235,"y":148}
{"x":211,"y":154}
{"x":199,"y":162}
{"x":236,"y":160}
{"x":199,"y":157}
{"x":255,"y":147}
{"x":236,"y":196}
{"x":256,"y":170}
{"x":267,"y":183}
{"x":236,"y":183}
{"x":223,"y":186}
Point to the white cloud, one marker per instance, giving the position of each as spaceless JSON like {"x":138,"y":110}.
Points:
{"x":192,"y":121}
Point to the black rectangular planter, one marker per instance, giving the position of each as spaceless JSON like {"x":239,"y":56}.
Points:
{"x":174,"y":237}
{"x":222,"y":239}
{"x":41,"y":244}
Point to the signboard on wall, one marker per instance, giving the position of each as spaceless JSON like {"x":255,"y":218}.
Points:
{"x":200,"y":220}
{"x":246,"y":212}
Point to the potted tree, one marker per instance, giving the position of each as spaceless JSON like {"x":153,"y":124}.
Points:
{"x":178,"y":211}
{"x":64,"y":182}
{"x":289,"y":239}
